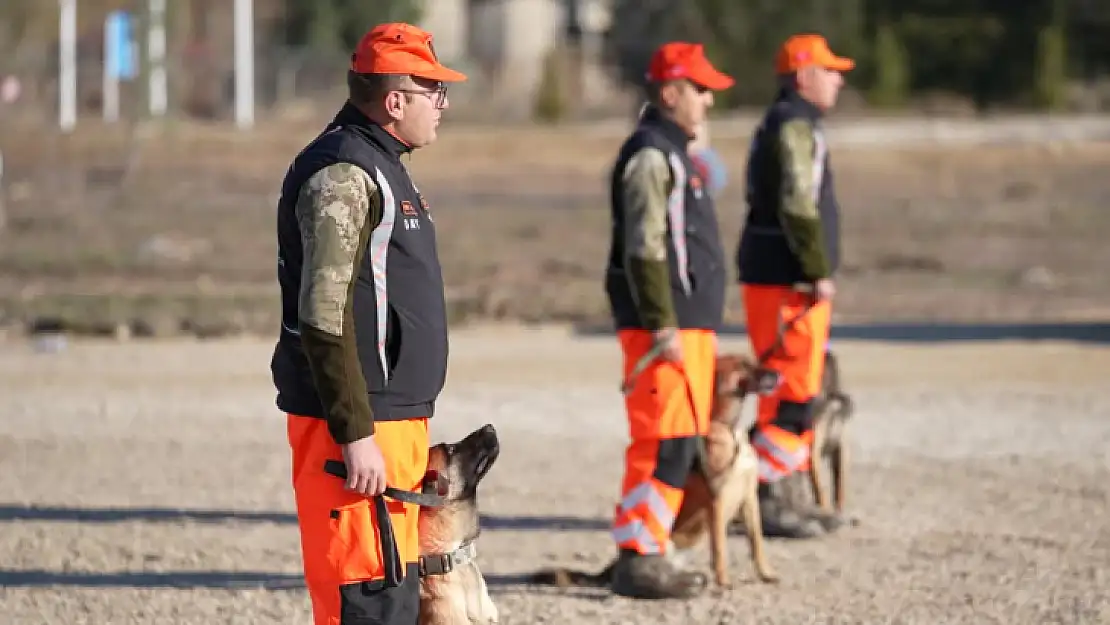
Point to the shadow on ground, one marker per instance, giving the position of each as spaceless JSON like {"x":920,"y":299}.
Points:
{"x":65,"y":514}
{"x":170,"y":579}
{"x":925,"y":332}
{"x":219,"y":580}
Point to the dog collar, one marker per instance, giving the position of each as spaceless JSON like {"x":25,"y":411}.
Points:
{"x":444,"y":563}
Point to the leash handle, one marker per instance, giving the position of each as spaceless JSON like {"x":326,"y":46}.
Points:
{"x":432,"y":495}
{"x":800,"y":287}
{"x":641,"y":365}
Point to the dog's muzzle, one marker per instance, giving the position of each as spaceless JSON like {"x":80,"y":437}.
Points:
{"x":444,"y":563}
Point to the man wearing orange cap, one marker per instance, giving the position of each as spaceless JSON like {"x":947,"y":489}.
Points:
{"x":788,"y":254}
{"x":362,"y":351}
{"x":666,"y":286}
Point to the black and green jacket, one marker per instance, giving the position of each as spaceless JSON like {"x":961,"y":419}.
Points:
{"x":666,"y":265}
{"x":363,"y":333}
{"x":792,"y":230}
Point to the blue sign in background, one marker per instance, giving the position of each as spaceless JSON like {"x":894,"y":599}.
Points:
{"x":120,"y":39}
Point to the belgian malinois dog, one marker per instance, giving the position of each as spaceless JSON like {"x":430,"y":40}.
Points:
{"x":452,"y":589}
{"x":828,"y":451}
{"x":723,"y":483}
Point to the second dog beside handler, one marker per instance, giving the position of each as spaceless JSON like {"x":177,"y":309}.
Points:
{"x":666,"y":281}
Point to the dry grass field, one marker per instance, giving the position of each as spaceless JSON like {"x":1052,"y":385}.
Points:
{"x":170,"y":228}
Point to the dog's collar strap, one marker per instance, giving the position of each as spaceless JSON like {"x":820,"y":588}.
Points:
{"x":444,"y":563}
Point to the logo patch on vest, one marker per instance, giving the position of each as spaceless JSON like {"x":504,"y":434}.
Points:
{"x":411,"y":219}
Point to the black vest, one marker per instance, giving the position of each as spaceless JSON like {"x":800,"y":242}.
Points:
{"x":764,"y":255}
{"x":398,"y":302}
{"x":694,"y":253}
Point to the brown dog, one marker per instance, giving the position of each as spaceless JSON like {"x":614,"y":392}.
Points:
{"x":727,"y":478}
{"x":722,"y":484}
{"x":828,"y":450}
{"x":452,"y":589}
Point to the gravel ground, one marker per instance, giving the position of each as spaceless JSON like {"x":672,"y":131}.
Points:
{"x":148,"y":482}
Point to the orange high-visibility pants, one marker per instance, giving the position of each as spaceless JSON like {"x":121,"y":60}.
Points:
{"x":668,"y":408}
{"x":783,"y":429}
{"x":346,"y":551}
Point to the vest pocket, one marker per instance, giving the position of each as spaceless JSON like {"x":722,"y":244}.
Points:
{"x":393,"y":337}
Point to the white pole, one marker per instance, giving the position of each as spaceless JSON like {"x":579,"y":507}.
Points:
{"x":67,"y":65}
{"x":244,"y":63}
{"x":156,"y":54}
{"x":111,"y":64}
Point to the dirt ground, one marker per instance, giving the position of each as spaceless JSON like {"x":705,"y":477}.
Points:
{"x":149,"y":482}
{"x":172,"y":228}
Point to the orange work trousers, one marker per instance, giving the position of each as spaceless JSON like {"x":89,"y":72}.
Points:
{"x":783,"y":429}
{"x":345,"y":547}
{"x":668,"y":409}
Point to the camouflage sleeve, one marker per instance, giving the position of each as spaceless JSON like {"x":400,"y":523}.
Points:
{"x":336,"y":210}
{"x":801,"y":182}
{"x":646,"y":186}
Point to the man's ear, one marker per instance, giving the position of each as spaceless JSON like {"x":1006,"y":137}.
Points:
{"x":393,"y":103}
{"x":668,"y":94}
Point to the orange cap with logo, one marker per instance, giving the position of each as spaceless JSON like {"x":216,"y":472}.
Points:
{"x":807,"y":49}
{"x":399,"y":48}
{"x":679,"y":59}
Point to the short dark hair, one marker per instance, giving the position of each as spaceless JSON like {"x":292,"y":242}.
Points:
{"x":365,"y":89}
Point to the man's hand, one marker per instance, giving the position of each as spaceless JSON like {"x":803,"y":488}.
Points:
{"x":673,"y":346}
{"x":365,"y":467}
{"x":824,"y":289}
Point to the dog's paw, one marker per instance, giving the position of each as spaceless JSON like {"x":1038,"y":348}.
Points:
{"x":769,"y":578}
{"x":719,"y":590}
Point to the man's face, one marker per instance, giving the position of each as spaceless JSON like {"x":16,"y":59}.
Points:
{"x":689,"y":104}
{"x":416,"y":108}
{"x":820,"y":86}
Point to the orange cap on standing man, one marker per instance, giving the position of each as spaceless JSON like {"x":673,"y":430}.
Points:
{"x":809,"y":49}
{"x":399,"y":48}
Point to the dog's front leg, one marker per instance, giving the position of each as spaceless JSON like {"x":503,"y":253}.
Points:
{"x":816,"y":462}
{"x":753,"y":525}
{"x":718,"y":541}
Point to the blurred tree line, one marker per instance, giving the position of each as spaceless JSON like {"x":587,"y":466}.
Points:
{"x":994,"y":53}
{"x":991,"y":53}
{"x":335,"y":26}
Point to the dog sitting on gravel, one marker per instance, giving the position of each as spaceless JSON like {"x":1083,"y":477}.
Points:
{"x":723,"y":483}
{"x":828,"y":449}
{"x":452,"y":589}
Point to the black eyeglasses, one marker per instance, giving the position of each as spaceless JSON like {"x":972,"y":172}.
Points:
{"x":438,"y":96}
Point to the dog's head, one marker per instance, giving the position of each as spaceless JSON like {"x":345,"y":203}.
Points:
{"x":459,"y":467}
{"x":462,"y":465}
{"x":732,"y":381}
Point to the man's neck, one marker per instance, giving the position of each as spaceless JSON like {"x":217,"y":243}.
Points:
{"x":668,"y":116}
{"x":377,"y":119}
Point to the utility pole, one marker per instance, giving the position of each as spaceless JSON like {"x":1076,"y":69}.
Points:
{"x":67,"y":65}
{"x":156,"y":55}
{"x":244,"y":64}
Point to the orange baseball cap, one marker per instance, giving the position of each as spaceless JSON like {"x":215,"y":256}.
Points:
{"x":399,"y":48}
{"x":807,"y":49}
{"x":679,"y":59}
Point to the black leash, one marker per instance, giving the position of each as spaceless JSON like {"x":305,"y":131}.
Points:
{"x":433,"y":491}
